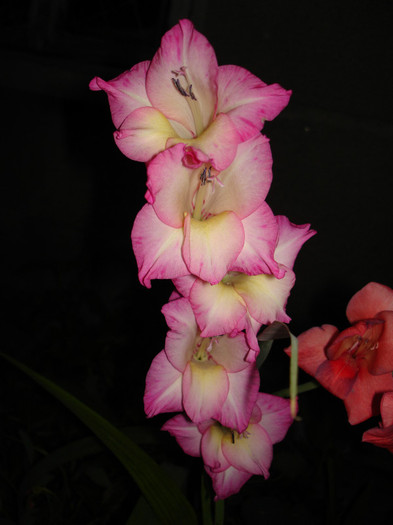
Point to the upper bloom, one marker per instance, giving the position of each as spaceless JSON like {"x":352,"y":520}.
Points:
{"x":356,"y":364}
{"x":231,"y":458}
{"x":382,"y":436}
{"x":183,"y":96}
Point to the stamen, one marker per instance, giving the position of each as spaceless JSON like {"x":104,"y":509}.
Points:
{"x":178,"y":86}
{"x":191,"y":92}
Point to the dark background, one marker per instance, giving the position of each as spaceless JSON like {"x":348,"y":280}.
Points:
{"x":74,"y":309}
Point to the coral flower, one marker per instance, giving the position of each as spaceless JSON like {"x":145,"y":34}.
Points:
{"x":356,"y":364}
{"x":231,"y":458}
{"x":383,"y":436}
{"x":208,"y":378}
{"x":203,"y":222}
{"x":182,"y":96}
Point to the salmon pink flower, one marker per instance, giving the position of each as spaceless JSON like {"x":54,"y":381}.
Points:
{"x":205,"y":377}
{"x":182,"y":96}
{"x":205,"y":221}
{"x":245,"y":302}
{"x":230,"y":457}
{"x":382,"y":436}
{"x":356,"y":364}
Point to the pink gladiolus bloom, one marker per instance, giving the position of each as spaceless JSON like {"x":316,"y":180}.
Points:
{"x":382,"y":436}
{"x":207,"y":222}
{"x":182,"y":96}
{"x":356,"y":364}
{"x":245,"y":302}
{"x":207,"y":378}
{"x":231,"y":458}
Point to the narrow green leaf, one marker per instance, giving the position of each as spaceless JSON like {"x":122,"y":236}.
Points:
{"x":219,"y":514}
{"x":206,"y":503}
{"x":162,"y":493}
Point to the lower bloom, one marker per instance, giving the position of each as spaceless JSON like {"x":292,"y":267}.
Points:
{"x":356,"y":364}
{"x":382,"y":436}
{"x":231,"y":458}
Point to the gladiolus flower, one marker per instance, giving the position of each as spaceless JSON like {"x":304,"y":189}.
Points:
{"x":382,"y":436}
{"x":356,"y":364}
{"x":182,"y":96}
{"x":231,"y":458}
{"x":207,"y":221}
{"x":208,"y":378}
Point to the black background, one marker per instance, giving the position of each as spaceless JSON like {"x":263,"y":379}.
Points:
{"x":74,"y":309}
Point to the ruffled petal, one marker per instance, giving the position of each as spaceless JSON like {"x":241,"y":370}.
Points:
{"x":246,"y":181}
{"x":250,"y":452}
{"x":157,"y":248}
{"x":211,"y":246}
{"x":186,"y":434}
{"x":291,"y":238}
{"x":276,"y":416}
{"x":257,"y":255}
{"x":243,"y":390}
{"x":218,"y":308}
{"x":368,"y":301}
{"x":126,"y":92}
{"x":143,"y":134}
{"x":183,"y":47}
{"x":205,"y":388}
{"x":248,"y":100}
{"x":163,"y":387}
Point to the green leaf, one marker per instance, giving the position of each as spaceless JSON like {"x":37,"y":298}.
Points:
{"x":161,"y":492}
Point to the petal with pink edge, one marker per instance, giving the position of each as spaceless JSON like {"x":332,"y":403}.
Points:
{"x":186,"y":434}
{"x":143,"y":134}
{"x":243,"y":390}
{"x":291,"y":238}
{"x":184,"y":47}
{"x":205,"y":388}
{"x":181,"y":338}
{"x":248,"y":100}
{"x":212,"y":245}
{"x":257,"y":255}
{"x":211,"y":448}
{"x":276,"y":416}
{"x":246,"y":181}
{"x":251,"y":451}
{"x":126,"y":92}
{"x":218,"y":308}
{"x":163,"y":387}
{"x":230,"y":352}
{"x":228,"y":482}
{"x":157,"y":248}
{"x":368,"y":301}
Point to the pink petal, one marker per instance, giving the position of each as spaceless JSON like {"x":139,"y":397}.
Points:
{"x":380,"y":437}
{"x":212,"y":245}
{"x":230,"y":352}
{"x":338,"y":376}
{"x":183,"y":46}
{"x":218,"y":308}
{"x":126,"y":92}
{"x":157,"y":248}
{"x":257,"y":255}
{"x":218,"y":143}
{"x":368,"y":301}
{"x":211,"y":448}
{"x":387,"y":409}
{"x":181,"y":339}
{"x":243,"y":390}
{"x":143,"y":134}
{"x":227,"y":482}
{"x":184,"y":284}
{"x":251,"y":452}
{"x":205,"y":388}
{"x":163,"y":387}
{"x":186,"y":434}
{"x":276,"y":416}
{"x":291,"y":238}
{"x":248,"y":100}
{"x":172,"y":186}
{"x":382,"y":357}
{"x":246,"y":181}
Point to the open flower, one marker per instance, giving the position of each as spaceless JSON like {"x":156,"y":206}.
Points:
{"x":245,"y":302}
{"x":207,"y":221}
{"x":382,"y":436}
{"x":231,"y":458}
{"x":356,"y":364}
{"x":182,"y":96}
{"x":207,"y":378}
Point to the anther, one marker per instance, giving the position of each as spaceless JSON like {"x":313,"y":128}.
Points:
{"x":181,"y":90}
{"x":193,"y":97}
